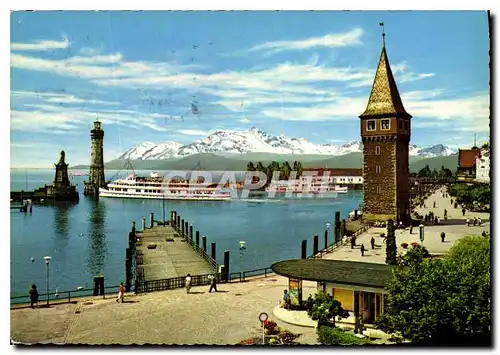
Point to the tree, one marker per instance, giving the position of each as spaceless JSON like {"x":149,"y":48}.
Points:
{"x":324,"y":308}
{"x":260,"y":167}
{"x":390,"y":244}
{"x":285,"y":170}
{"x":441,"y":301}
{"x":425,"y":172}
{"x":250,"y":167}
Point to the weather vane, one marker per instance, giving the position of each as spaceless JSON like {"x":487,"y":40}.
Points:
{"x":383,"y":32}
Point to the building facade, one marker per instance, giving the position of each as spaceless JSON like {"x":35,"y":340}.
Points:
{"x":96,"y":175}
{"x":467,"y":158}
{"x":483,"y":167}
{"x":385,"y":133}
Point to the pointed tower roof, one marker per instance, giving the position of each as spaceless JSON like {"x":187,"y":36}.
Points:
{"x":384,"y":99}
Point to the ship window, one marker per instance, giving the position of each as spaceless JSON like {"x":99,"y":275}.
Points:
{"x":386,"y":124}
{"x":370,"y":125}
{"x":378,"y":169}
{"x":400,"y":124}
{"x":377,"y":150}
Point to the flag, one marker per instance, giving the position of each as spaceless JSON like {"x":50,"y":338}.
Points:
{"x":381,"y":23}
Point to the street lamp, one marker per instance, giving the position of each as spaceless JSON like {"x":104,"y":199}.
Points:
{"x":242,"y":247}
{"x":47,"y":261}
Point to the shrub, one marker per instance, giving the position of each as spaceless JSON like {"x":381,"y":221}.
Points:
{"x":336,"y":336}
{"x":404,"y":245}
{"x":324,"y":308}
{"x":287,"y":337}
{"x":415,"y":244}
{"x":271,"y":327}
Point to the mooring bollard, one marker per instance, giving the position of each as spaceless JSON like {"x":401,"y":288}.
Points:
{"x":315,"y":245}
{"x":204,"y":244}
{"x":197,"y":239}
{"x":303,"y":254}
{"x":182,"y":228}
{"x":226,"y":265}
{"x":191,"y":232}
{"x":213,"y":251}
{"x":143,"y":224}
{"x":326,"y":238}
{"x":151,"y":220}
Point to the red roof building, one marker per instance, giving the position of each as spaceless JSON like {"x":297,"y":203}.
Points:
{"x":467,"y":163}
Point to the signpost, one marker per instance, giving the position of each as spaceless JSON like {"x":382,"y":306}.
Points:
{"x":263,"y":317}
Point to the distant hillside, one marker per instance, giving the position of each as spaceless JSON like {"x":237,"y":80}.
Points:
{"x":449,"y":162}
{"x":209,"y":161}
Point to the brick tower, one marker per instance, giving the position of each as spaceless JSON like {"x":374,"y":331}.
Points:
{"x":96,"y":176}
{"x":385,"y":133}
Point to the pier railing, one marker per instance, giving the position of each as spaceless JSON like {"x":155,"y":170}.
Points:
{"x":242,"y":275}
{"x":175,"y":282}
{"x":63,"y":296}
{"x":212,"y":262}
{"x":330,"y":248}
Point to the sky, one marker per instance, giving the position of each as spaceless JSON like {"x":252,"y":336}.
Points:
{"x":304,"y":74}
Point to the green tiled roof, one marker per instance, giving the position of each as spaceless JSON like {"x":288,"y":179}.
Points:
{"x":335,"y":271}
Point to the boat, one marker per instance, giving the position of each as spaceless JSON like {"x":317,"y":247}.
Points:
{"x":154,"y":187}
{"x":301,"y":190}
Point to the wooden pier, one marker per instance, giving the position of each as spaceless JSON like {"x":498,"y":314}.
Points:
{"x":160,"y":256}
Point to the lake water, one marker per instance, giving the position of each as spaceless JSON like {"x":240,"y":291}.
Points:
{"x":90,"y":237}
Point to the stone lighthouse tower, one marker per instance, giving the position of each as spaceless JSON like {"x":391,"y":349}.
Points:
{"x":385,"y":132}
{"x":96,"y":176}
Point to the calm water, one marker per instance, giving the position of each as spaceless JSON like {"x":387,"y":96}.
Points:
{"x":90,"y":238}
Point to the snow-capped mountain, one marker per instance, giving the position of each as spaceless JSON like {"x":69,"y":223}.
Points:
{"x":255,"y":140}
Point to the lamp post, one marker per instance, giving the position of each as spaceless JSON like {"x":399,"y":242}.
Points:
{"x":242,"y":247}
{"x":47,"y":261}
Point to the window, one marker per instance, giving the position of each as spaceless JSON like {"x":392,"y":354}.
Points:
{"x":370,"y":125}
{"x":400,"y":124}
{"x":378,"y":189}
{"x":378,"y":169}
{"x":385,"y":124}
{"x":407,"y":124}
{"x":377,"y":150}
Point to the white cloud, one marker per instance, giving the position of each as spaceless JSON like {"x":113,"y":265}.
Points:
{"x":244,"y":120}
{"x":40,"y":45}
{"x":193,"y":132}
{"x":350,"y":38}
{"x":51,"y":97}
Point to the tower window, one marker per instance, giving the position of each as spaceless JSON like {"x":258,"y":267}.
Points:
{"x":386,"y":124}
{"x":377,"y":169}
{"x":370,"y":125}
{"x":378,"y":189}
{"x":400,"y":124}
{"x":377,"y":150}
{"x":406,"y":124}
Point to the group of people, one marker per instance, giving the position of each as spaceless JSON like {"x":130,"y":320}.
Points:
{"x":475,"y":221}
{"x":188,"y":283}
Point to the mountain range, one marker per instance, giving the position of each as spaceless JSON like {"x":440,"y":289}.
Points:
{"x":230,"y":143}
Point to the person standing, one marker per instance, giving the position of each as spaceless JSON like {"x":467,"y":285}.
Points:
{"x":213,"y":283}
{"x":372,"y":242}
{"x":33,"y":296}
{"x":363,"y":250}
{"x":121,"y":293}
{"x":463,"y":211}
{"x":188,"y":283}
{"x":286,"y":300}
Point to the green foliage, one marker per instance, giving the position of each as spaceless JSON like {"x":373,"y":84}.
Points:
{"x":390,"y":244}
{"x":324,"y":308}
{"x":287,"y":337}
{"x":271,"y":327}
{"x":471,"y":194}
{"x":250,"y":167}
{"x":443,"y":301}
{"x":425,"y":172}
{"x":337,"y":336}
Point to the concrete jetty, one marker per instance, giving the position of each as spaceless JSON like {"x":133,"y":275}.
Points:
{"x":172,"y":257}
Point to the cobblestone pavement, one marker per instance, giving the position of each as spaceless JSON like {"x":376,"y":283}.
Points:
{"x":454,"y":228}
{"x":168,"y":317}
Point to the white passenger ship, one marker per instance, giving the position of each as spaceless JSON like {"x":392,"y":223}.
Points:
{"x":301,"y":189}
{"x":155,"y":187}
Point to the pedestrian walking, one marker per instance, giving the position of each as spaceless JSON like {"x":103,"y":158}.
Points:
{"x":467,"y":222}
{"x":436,"y":221}
{"x":445,"y":213}
{"x":121,"y":293}
{"x":442,"y":237}
{"x":363,"y":250}
{"x":463,"y":211}
{"x":479,"y":221}
{"x":213,"y":283}
{"x":411,"y":229}
{"x":434,"y":204}
{"x":188,"y":283}
{"x":33,"y":296}
{"x":475,"y":221}
{"x":451,"y":201}
{"x":372,"y":242}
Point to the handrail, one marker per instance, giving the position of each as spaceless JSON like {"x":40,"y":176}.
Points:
{"x":42,"y":297}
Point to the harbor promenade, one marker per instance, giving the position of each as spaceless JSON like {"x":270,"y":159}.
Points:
{"x":454,"y":229}
{"x":165,"y":317}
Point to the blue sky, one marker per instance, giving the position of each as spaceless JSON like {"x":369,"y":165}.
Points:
{"x":304,"y":74}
